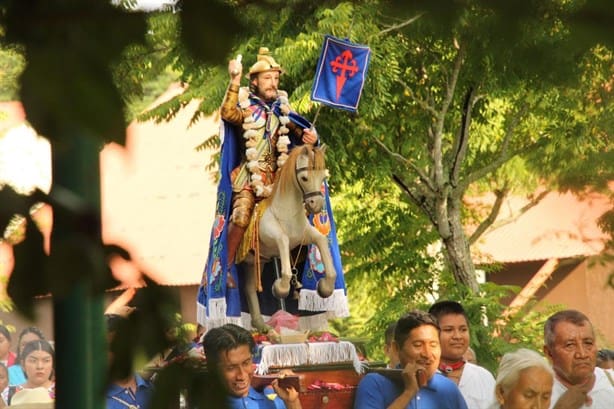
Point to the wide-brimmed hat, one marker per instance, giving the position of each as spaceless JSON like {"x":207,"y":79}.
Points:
{"x":32,"y":398}
{"x":265,"y":62}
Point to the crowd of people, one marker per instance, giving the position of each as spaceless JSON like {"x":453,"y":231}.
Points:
{"x":570,"y":374}
{"x":29,"y":370}
{"x":428,"y":349}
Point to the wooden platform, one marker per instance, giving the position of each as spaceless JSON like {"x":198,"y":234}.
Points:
{"x":333,"y":374}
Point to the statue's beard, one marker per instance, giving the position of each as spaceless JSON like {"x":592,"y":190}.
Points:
{"x":269,"y":94}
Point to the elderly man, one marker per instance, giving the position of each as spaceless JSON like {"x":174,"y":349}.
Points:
{"x":416,"y":341}
{"x":571,"y":347}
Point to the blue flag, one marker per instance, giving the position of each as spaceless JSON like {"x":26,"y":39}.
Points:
{"x":340,"y":74}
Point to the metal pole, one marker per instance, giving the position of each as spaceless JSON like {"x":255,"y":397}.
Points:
{"x":282,"y":302}
{"x":78,"y":315}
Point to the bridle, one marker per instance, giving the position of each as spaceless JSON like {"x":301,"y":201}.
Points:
{"x":306,"y":195}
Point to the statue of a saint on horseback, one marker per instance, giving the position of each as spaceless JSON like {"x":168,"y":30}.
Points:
{"x":260,"y":134}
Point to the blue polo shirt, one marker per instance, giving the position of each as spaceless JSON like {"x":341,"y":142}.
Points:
{"x":255,"y":400}
{"x":122,"y":398}
{"x":375,"y":391}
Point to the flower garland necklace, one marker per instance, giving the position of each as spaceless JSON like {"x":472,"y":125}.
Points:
{"x":250,"y":125}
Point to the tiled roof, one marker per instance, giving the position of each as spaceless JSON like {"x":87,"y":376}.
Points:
{"x":561,"y":225}
{"x":158,"y":200}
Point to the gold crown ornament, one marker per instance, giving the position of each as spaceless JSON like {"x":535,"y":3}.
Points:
{"x":264,"y":62}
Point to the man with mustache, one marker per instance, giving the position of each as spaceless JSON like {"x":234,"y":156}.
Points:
{"x":416,"y":341}
{"x":269,"y":131}
{"x":571,"y":347}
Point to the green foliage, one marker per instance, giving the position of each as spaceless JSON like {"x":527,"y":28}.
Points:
{"x":11,"y":65}
{"x":493,"y":332}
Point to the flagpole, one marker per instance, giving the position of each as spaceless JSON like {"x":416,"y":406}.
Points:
{"x":315,"y":117}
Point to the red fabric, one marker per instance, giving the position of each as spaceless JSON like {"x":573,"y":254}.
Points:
{"x":284,"y":319}
{"x":447,"y":368}
{"x":11,"y":359}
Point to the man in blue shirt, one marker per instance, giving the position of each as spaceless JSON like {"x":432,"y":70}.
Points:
{"x":133,"y":392}
{"x":125,"y":392}
{"x":416,"y":341}
{"x":229,"y":353}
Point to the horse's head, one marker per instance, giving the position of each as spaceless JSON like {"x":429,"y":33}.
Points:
{"x":310,"y":170}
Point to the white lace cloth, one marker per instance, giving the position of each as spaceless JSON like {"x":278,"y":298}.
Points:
{"x":307,"y":353}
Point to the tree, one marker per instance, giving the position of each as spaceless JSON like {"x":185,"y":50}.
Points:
{"x":461,"y":98}
{"x":472,"y":96}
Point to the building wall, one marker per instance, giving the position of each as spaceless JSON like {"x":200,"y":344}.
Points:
{"x":43,"y":320}
{"x":586,"y":289}
{"x":580,"y":284}
{"x":187,"y":294}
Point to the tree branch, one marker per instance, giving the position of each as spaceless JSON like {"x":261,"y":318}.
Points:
{"x":422,"y":103}
{"x":420,"y":201}
{"x":532,"y":203}
{"x":462,"y":138}
{"x":450,"y":89}
{"x":436,"y":153}
{"x":501,"y":158}
{"x":492,"y":216}
{"x":400,"y":25}
{"x":423,"y":177}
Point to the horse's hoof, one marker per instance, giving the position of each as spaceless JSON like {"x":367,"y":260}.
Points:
{"x":261,"y":327}
{"x":279,"y":290}
{"x":325,"y":290}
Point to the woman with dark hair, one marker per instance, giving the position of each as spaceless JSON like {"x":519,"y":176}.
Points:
{"x":37,"y":361}
{"x":16,"y":374}
{"x":7,"y":357}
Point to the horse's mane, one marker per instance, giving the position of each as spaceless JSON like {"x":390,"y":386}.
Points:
{"x":286,"y":174}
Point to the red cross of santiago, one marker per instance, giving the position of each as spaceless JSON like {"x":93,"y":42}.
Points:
{"x":344,"y":63}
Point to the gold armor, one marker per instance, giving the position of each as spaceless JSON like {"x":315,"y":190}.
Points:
{"x":243,"y":203}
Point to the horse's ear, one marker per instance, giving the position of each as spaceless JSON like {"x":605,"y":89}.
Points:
{"x":323,"y":147}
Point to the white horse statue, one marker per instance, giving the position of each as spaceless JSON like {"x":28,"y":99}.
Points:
{"x":280,"y":223}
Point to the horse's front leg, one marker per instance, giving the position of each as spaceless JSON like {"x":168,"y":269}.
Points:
{"x":281,"y":286}
{"x":326,"y":285}
{"x":251,"y":296}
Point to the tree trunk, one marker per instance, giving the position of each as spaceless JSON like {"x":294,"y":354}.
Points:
{"x":456,"y":247}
